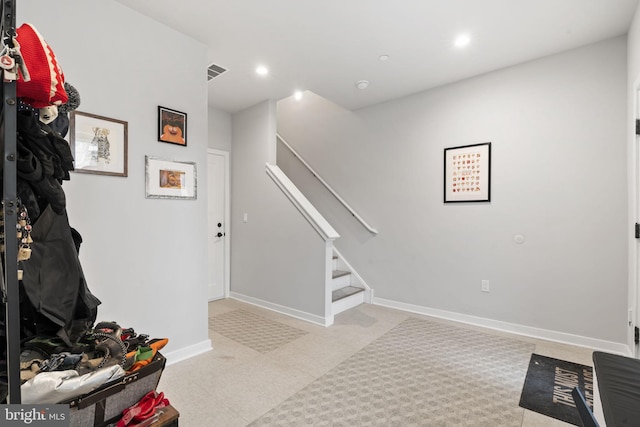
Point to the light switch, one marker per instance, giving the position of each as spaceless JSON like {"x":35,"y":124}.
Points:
{"x":485,"y":286}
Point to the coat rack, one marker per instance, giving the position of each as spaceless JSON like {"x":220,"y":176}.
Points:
{"x":9,"y":277}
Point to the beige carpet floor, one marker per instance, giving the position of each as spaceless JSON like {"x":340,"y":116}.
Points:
{"x":254,"y":331}
{"x":419,"y":373}
{"x":374,"y":366}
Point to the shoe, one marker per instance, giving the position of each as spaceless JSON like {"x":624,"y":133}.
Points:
{"x":111,"y":328}
{"x":155,"y":345}
{"x":144,"y":409}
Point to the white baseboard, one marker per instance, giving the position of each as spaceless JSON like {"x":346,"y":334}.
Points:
{"x":545,"y":334}
{"x":302,"y":315}
{"x":187,"y":352}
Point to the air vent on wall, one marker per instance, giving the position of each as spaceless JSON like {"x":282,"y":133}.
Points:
{"x":214,"y":71}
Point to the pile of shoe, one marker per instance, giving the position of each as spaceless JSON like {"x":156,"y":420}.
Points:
{"x":105,"y":353}
{"x":140,"y":349}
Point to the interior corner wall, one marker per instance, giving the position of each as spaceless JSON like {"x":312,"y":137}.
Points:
{"x":558,"y":133}
{"x":633,"y":40}
{"x":277,"y":258}
{"x":145,"y":259}
{"x":219,"y":130}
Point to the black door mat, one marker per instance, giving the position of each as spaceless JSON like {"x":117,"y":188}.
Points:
{"x":548,"y":385}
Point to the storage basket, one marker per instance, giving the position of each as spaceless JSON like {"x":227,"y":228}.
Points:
{"x":104,"y":405}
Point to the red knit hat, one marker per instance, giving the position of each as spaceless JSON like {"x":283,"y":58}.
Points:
{"x":46,"y":86}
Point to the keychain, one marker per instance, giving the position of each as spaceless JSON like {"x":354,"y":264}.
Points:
{"x":8,"y":64}
{"x":12,"y":63}
{"x":23,"y":233}
{"x":24,"y":253}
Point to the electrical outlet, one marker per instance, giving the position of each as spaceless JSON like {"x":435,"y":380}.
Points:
{"x":485,"y":286}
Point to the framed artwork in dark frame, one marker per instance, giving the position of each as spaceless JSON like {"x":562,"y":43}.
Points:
{"x":172,"y":126}
{"x":98,"y":144}
{"x":467,"y":173}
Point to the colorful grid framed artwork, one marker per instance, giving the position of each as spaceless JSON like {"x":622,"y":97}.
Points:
{"x":467,"y":173}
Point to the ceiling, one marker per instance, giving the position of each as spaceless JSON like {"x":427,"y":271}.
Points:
{"x":326,"y":46}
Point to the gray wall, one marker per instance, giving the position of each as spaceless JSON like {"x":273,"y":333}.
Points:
{"x":558,"y":133}
{"x":633,"y":53}
{"x":145,"y":259}
{"x":219,"y":129}
{"x":276,"y":256}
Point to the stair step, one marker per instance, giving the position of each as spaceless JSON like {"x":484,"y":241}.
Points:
{"x":345,"y":292}
{"x":346,"y":298}
{"x":339,"y":273}
{"x":340,"y":279}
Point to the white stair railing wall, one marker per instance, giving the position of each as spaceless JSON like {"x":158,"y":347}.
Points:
{"x":318,"y":222}
{"x":361,"y":220}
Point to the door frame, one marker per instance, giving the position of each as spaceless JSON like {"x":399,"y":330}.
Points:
{"x":226,"y":219}
{"x":633,"y":314}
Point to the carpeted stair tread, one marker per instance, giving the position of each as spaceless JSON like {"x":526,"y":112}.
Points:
{"x":347,"y":291}
{"x":339,"y":273}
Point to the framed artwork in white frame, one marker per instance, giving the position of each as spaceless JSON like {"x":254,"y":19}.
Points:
{"x":169,"y":179}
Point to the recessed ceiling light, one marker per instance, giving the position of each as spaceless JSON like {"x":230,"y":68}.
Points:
{"x":383,"y":58}
{"x":262,"y":70}
{"x":297,"y":95}
{"x":462,"y":40}
{"x":362,"y":84}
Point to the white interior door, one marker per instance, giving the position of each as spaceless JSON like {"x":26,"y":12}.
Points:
{"x":217,"y":176}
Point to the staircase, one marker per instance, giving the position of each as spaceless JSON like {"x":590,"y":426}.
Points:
{"x":348,"y":290}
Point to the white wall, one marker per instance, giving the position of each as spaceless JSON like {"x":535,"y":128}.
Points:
{"x":277,"y":258}
{"x":558,"y":133}
{"x":145,"y":259}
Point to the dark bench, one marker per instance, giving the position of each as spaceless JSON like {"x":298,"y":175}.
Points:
{"x":619,"y":387}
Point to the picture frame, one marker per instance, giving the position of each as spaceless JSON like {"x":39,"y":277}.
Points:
{"x":172,"y":126}
{"x":98,"y":144}
{"x":467,"y":173}
{"x":170,"y":179}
